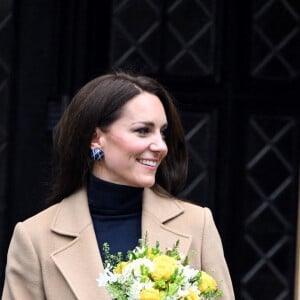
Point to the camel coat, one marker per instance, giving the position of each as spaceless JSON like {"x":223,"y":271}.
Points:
{"x":54,"y":255}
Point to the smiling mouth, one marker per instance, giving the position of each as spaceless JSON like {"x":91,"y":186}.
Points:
{"x":146,"y":162}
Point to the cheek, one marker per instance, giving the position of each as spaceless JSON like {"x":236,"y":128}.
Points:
{"x":125,"y":145}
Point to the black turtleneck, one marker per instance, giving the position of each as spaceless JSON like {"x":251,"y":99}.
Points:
{"x":116,"y":212}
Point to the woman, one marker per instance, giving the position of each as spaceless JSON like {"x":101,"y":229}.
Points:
{"x":118,"y":156}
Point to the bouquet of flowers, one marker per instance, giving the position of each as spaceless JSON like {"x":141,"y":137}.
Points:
{"x":150,"y":274}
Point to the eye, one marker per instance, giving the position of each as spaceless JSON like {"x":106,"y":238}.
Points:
{"x":143,"y":130}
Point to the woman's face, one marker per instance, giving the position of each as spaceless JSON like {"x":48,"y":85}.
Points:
{"x":134,"y":145}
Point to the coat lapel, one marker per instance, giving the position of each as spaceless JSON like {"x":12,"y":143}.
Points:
{"x":78,"y":260}
{"x":157,"y":211}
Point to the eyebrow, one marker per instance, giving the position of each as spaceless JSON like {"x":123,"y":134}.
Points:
{"x":148,"y":123}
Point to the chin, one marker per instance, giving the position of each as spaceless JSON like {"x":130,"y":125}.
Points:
{"x":149,"y":185}
{"x":146,"y":183}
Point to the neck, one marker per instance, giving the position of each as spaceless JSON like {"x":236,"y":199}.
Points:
{"x":108,"y":196}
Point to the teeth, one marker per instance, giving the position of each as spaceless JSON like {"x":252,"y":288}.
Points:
{"x":148,"y":162}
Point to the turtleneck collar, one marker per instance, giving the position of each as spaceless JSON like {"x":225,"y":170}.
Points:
{"x":109,"y":198}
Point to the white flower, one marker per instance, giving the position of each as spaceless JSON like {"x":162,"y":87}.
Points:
{"x":135,"y":267}
{"x":107,"y":277}
{"x":136,"y":287}
{"x":103,"y":279}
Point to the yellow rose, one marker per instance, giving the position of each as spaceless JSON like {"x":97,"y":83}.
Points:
{"x":164,"y":267}
{"x":120,"y":267}
{"x":149,"y":294}
{"x":207,"y":283}
{"x":192,"y":296}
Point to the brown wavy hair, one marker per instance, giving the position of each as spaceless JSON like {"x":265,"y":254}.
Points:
{"x":98,"y":104}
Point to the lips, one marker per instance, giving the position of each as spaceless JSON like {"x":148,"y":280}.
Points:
{"x":147,"y":162}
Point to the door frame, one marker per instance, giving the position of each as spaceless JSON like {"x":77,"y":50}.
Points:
{"x":297,"y":259}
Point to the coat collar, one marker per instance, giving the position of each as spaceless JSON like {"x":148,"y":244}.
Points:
{"x":158,"y":212}
{"x":73,"y":215}
{"x":79,"y":260}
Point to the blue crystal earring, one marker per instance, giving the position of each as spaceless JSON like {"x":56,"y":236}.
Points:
{"x":97,"y":153}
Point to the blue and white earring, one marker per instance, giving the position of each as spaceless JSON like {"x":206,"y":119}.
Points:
{"x":97,"y":153}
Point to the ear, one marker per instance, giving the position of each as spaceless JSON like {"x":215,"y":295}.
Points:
{"x":96,"y":138}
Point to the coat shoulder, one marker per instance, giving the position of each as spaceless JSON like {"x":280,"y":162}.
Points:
{"x":192,"y":209}
{"x":36,"y":229}
{"x":194,"y":218}
{"x":191,"y":217}
{"x":44,"y":217}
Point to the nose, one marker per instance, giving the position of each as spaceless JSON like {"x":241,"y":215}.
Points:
{"x":158,"y":144}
